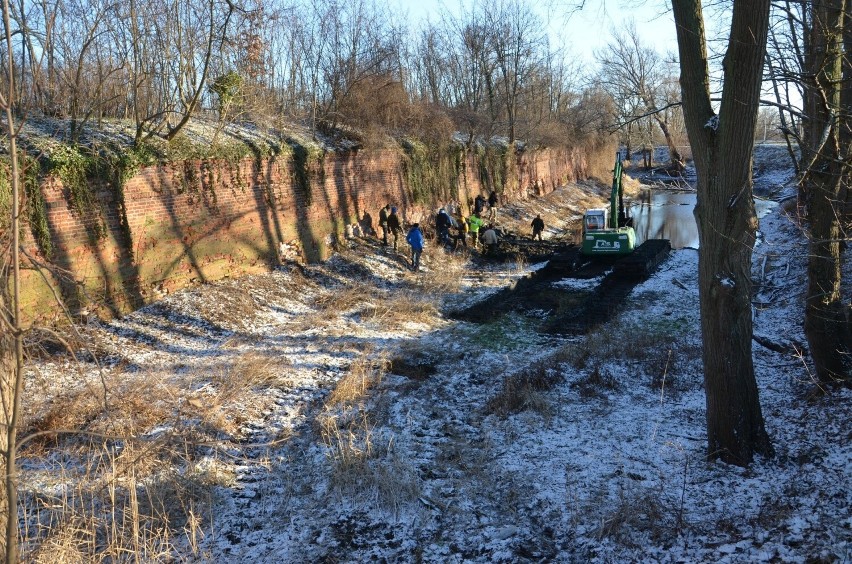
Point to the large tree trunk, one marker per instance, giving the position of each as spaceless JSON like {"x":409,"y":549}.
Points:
{"x":825,"y":318}
{"x":722,"y":148}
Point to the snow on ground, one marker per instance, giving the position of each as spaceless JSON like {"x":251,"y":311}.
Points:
{"x":483,"y":443}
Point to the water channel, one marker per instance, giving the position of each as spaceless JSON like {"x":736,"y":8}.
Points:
{"x":667,"y":214}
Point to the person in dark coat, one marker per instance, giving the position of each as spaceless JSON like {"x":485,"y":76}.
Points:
{"x":493,"y":200}
{"x":394,"y":226}
{"x":479,"y":204}
{"x":537,"y":227}
{"x":443,"y":222}
{"x":383,"y":223}
{"x":415,"y":239}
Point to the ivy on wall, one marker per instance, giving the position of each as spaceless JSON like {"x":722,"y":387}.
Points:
{"x":493,"y":166}
{"x":35,"y":208}
{"x":73,"y":166}
{"x":308,"y":160}
{"x":432,"y":171}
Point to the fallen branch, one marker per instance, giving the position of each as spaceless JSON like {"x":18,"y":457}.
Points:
{"x":791,"y":349}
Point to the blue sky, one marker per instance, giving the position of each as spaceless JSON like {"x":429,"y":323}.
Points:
{"x":584,"y":31}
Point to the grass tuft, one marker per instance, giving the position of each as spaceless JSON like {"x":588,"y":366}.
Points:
{"x":525,"y":390}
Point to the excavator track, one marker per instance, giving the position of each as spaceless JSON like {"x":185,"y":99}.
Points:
{"x":644,"y":260}
{"x":572,"y":313}
{"x":609,"y":296}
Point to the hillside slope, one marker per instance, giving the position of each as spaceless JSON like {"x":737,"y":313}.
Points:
{"x":333,"y":413}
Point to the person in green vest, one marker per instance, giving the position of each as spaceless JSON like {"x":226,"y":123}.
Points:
{"x":474,"y":222}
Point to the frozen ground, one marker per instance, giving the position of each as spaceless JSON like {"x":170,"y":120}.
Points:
{"x":456,"y":442}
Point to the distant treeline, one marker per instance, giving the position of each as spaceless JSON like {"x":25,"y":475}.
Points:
{"x":354,"y":65}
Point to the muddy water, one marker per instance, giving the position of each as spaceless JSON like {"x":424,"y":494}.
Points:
{"x":666,"y":214}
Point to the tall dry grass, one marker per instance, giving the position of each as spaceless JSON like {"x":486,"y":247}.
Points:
{"x":131,"y":472}
{"x":115,"y":501}
{"x":361,"y":464}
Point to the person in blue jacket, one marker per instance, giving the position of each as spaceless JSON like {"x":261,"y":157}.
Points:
{"x":415,"y":239}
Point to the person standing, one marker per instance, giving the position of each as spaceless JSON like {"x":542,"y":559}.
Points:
{"x":474,"y":222}
{"x":493,"y":200}
{"x":490,"y":240}
{"x":415,"y":239}
{"x":461,"y":236}
{"x":537,"y":227}
{"x":478,"y":204}
{"x":394,"y":226}
{"x":443,"y":222}
{"x":384,"y":213}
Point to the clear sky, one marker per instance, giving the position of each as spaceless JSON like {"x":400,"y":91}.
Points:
{"x":584,"y":31}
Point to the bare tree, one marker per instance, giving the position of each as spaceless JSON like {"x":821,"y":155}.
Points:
{"x":84,"y":68}
{"x":11,"y":333}
{"x":631,"y":70}
{"x":517,"y":39}
{"x":471,"y":69}
{"x":362,"y":44}
{"x":722,"y":147}
{"x":36,"y":22}
{"x":431,"y":63}
{"x":808,"y":66}
{"x":190,"y":80}
{"x":828,"y":159}
{"x":784,"y":61}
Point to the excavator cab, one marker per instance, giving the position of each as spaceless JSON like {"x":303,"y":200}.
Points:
{"x":609,"y":231}
{"x":594,"y":220}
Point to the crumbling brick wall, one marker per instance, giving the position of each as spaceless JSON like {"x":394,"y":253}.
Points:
{"x":200,"y":221}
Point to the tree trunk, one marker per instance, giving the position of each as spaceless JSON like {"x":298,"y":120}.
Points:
{"x":722,"y":148}
{"x":825,"y":317}
{"x":627,"y":142}
{"x":11,"y":341}
{"x":674,"y":155}
{"x":7,"y":389}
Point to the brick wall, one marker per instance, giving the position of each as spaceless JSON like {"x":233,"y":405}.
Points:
{"x":201,"y":221}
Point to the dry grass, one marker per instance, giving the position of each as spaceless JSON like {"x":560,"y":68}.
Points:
{"x":526,"y":390}
{"x":132,"y":481}
{"x":351,"y":390}
{"x":119,"y":404}
{"x":445,"y":270}
{"x":235,"y":393}
{"x":597,"y":383}
{"x":343,"y":424}
{"x":250,"y":371}
{"x":638,"y":509}
{"x":654,"y":349}
{"x":330,"y":305}
{"x":105,"y":510}
{"x":401,"y":308}
{"x":362,"y":465}
{"x":392,"y":309}
{"x":346,"y":299}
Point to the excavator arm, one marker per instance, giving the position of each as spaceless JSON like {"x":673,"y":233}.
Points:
{"x":616,"y":201}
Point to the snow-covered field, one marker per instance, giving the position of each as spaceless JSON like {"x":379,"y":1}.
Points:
{"x":334,"y":413}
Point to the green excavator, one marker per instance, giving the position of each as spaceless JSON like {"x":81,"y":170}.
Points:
{"x":609,"y":232}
